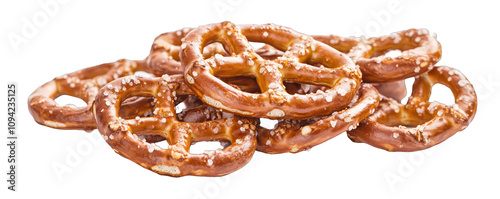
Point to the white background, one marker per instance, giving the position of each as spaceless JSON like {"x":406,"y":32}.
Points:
{"x":86,"y":33}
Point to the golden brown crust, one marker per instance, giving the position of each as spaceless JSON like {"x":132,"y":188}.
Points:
{"x":122,"y":135}
{"x":395,"y":90}
{"x":419,"y":52}
{"x":83,"y":84}
{"x":433,"y":122}
{"x":293,"y":136}
{"x":341,"y":75}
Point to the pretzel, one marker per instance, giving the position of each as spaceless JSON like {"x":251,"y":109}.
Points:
{"x":432,"y":122}
{"x":341,"y":75}
{"x":298,"y":135}
{"x":83,"y":84}
{"x":420,"y":51}
{"x":122,"y":135}
{"x":395,"y":90}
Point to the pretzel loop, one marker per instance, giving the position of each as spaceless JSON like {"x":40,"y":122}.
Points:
{"x":122,"y":135}
{"x":340,"y":74}
{"x":419,"y":52}
{"x":433,"y":122}
{"x":83,"y":84}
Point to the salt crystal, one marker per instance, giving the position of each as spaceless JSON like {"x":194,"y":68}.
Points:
{"x":333,"y":123}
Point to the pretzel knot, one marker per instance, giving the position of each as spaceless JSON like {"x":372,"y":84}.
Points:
{"x":419,"y":52}
{"x":83,"y":84}
{"x":122,"y":134}
{"x":340,"y":74}
{"x":432,"y":122}
{"x":292,"y":136}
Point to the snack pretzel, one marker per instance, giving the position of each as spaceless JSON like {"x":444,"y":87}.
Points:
{"x":175,"y":161}
{"x":83,"y":84}
{"x":293,"y":136}
{"x":341,"y":75}
{"x":395,"y":89}
{"x":434,"y":122}
{"x":420,"y":51}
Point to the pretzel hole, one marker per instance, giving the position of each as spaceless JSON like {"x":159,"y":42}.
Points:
{"x":303,"y":88}
{"x":267,"y":52}
{"x":256,"y":45}
{"x":405,"y":44}
{"x":70,"y":101}
{"x":441,"y":93}
{"x":243,"y":83}
{"x":409,"y":89}
{"x":163,"y":144}
{"x":214,"y":48}
{"x":136,"y":106}
{"x":203,"y":146}
{"x":158,"y":140}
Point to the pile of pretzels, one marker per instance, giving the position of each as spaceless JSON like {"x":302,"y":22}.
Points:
{"x":316,"y":87}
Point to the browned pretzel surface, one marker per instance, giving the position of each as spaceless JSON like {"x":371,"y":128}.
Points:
{"x":340,"y":74}
{"x":122,"y":134}
{"x":83,"y":84}
{"x":429,"y":123}
{"x":419,"y":52}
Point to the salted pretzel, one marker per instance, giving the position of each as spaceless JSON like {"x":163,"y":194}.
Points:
{"x":395,"y":90}
{"x":83,"y":84}
{"x":122,"y":134}
{"x":419,"y":52}
{"x":298,"y":135}
{"x":340,"y":74}
{"x":431,"y":122}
